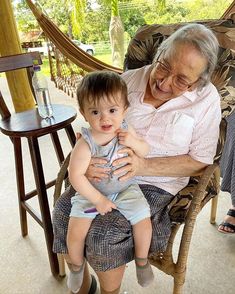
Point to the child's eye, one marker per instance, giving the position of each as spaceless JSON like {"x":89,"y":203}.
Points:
{"x":95,"y":112}
{"x":112,"y":110}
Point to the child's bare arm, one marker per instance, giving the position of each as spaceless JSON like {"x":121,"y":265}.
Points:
{"x":79,"y":162}
{"x":130,"y":139}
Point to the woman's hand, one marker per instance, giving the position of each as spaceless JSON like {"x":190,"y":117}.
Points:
{"x":132,"y":164}
{"x":97,"y":173}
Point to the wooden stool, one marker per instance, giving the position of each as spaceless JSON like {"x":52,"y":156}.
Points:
{"x":29,"y":125}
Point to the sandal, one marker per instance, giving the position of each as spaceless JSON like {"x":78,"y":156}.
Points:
{"x":225,"y":224}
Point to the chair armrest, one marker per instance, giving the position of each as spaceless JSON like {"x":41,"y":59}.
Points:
{"x":206,"y":186}
{"x":61,"y":176}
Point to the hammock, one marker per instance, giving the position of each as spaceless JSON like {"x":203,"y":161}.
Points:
{"x":67,"y":76}
{"x":66,"y":46}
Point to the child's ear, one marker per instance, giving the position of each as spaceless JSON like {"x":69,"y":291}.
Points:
{"x":83,"y":114}
{"x":125,"y":110}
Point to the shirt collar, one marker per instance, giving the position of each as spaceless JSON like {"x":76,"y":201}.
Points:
{"x":191,"y":95}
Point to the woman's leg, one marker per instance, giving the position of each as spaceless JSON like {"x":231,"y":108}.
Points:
{"x":110,"y":281}
{"x":112,"y":229}
{"x":228,"y":224}
{"x":102,"y":291}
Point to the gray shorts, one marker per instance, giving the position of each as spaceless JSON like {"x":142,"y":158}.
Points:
{"x":109,"y":242}
{"x":130,"y":202}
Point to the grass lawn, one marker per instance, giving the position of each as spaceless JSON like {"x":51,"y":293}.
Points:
{"x":107,"y":58}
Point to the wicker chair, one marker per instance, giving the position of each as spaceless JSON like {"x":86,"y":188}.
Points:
{"x":186,"y":205}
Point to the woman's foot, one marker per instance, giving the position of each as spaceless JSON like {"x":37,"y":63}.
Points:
{"x":228,"y":225}
{"x":75,"y":277}
{"x":144,"y":272}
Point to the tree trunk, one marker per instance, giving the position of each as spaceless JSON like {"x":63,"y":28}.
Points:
{"x":116,"y":35}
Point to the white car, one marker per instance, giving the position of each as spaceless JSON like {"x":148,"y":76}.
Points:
{"x":42,"y":49}
{"x":85,"y":47}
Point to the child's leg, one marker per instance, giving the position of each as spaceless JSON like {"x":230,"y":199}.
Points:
{"x":77,"y":231}
{"x":142,"y":232}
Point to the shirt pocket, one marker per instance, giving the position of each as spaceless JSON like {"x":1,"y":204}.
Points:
{"x":179,"y":131}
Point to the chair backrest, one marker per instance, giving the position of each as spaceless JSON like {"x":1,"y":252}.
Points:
{"x":18,"y":61}
{"x":14,"y":62}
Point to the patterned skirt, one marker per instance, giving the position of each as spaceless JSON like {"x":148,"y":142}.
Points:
{"x":109,"y":243}
{"x":227,"y":162}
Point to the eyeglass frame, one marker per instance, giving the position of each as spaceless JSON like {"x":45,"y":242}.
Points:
{"x":169,"y":73}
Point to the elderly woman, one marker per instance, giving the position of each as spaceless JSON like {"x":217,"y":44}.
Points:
{"x":176,"y":109}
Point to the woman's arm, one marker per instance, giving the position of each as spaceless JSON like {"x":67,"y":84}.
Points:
{"x":174,"y":166}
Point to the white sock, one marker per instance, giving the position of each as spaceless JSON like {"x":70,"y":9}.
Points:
{"x":75,"y":279}
{"x":144,"y":274}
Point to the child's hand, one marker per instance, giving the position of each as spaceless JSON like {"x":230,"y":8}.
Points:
{"x":104,"y":205}
{"x":126,"y":138}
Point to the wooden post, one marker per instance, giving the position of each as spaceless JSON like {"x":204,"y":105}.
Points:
{"x":10,"y":44}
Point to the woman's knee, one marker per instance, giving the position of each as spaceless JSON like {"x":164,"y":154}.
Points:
{"x":110,"y":281}
{"x":116,"y":291}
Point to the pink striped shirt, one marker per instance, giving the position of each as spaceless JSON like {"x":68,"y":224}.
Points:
{"x":188,"y":124}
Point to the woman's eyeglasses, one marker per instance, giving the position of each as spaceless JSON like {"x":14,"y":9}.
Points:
{"x":164,"y":72}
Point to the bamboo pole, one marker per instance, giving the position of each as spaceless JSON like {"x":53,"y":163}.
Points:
{"x":19,"y":87}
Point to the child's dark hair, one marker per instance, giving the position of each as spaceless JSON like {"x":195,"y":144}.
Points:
{"x":98,"y":85}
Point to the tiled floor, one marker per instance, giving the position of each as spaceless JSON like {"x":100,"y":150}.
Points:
{"x":24,"y":264}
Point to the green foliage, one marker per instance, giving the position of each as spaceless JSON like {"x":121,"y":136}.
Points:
{"x":161,"y":4}
{"x":78,"y":17}
{"x":96,"y":25}
{"x":24,"y":17}
{"x":133,"y":18}
{"x":58,"y":11}
{"x":92,"y":24}
{"x":170,"y":14}
{"x":206,"y":9}
{"x":114,"y":8}
{"x":187,"y":10}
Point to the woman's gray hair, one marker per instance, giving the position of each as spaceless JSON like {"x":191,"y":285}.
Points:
{"x":202,"y":38}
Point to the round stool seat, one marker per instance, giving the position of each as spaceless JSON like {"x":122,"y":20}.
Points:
{"x":29,"y":123}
